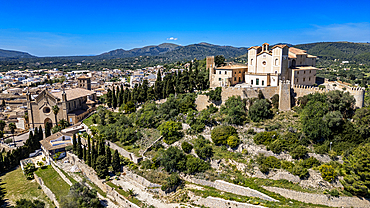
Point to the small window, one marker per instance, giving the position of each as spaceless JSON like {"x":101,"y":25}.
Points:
{"x":310,"y":71}
{"x":240,"y":72}
{"x":234,"y":72}
{"x":219,"y":72}
{"x":257,"y":81}
{"x":225,"y":72}
{"x":309,"y":78}
{"x":275,"y":72}
{"x":251,"y":61}
{"x":234,"y":78}
{"x":264,"y":63}
{"x":304,"y":72}
{"x":297,"y":72}
{"x":263,"y":82}
{"x":276,"y":62}
{"x":251,"y":81}
{"x":304,"y":79}
{"x":219,"y":79}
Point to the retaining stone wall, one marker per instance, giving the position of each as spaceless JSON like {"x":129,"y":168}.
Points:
{"x":124,"y":152}
{"x":46,"y":190}
{"x":91,"y":175}
{"x":140,"y":180}
{"x":214,"y":202}
{"x":61,"y":174}
{"x":231,"y":188}
{"x":321,"y":199}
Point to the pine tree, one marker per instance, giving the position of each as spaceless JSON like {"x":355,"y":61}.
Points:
{"x":79,"y":147}
{"x":74,"y":141}
{"x":116,"y":164}
{"x":108,"y":156}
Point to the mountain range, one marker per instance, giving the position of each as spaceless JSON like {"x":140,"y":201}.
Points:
{"x":172,"y":52}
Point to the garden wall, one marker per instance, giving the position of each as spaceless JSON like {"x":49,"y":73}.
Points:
{"x":222,"y":203}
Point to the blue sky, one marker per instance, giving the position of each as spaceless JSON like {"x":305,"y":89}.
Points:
{"x":56,"y":28}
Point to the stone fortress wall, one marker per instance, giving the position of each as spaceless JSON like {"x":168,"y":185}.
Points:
{"x":283,"y":90}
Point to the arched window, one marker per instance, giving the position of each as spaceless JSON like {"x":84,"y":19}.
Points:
{"x":251,"y":61}
{"x":276,"y":62}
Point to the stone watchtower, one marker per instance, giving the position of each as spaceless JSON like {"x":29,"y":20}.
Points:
{"x":210,"y":65}
{"x":284,"y":95}
{"x":84,"y":82}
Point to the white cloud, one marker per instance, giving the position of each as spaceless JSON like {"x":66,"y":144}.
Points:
{"x":171,"y":38}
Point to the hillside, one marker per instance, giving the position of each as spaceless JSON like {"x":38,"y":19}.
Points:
{"x":145,"y":51}
{"x":348,"y":51}
{"x":14,"y":54}
{"x":201,"y":50}
{"x":175,"y":52}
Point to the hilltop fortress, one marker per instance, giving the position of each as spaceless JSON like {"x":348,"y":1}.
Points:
{"x":287,"y":71}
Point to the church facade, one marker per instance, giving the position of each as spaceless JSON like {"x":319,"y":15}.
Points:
{"x":73,"y":104}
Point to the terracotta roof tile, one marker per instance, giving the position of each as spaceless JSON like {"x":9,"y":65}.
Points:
{"x":73,"y":93}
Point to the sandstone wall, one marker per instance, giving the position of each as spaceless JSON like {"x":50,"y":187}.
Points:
{"x":321,"y":199}
{"x":214,"y":202}
{"x":46,"y":190}
{"x":61,"y":174}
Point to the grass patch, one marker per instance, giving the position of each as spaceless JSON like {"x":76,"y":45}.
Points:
{"x":88,"y":121}
{"x":15,"y":186}
{"x":131,"y":148}
{"x":126,"y":194}
{"x":220,"y":153}
{"x":54,"y":182}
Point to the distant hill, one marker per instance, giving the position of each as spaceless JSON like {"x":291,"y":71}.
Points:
{"x":349,"y":51}
{"x":175,"y":52}
{"x":145,"y":51}
{"x":14,"y":54}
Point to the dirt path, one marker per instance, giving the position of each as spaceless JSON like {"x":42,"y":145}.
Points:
{"x":142,"y":195}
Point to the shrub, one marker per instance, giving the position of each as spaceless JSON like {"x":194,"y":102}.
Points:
{"x":220,"y":134}
{"x":251,"y":131}
{"x":186,"y":147}
{"x":299,"y":152}
{"x":299,"y":171}
{"x":260,"y":110}
{"x":204,"y":152}
{"x":310,"y":163}
{"x":327,"y":172}
{"x":171,"y":183}
{"x":286,"y":165}
{"x":194,"y":165}
{"x":233,"y":141}
{"x":266,"y":163}
{"x":266,"y":137}
{"x":146,"y":164}
{"x":170,"y":131}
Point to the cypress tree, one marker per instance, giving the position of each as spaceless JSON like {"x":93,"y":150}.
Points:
{"x":108,"y":156}
{"x":114,"y":98}
{"x":88,"y":151}
{"x":116,"y":165}
{"x":47,"y":130}
{"x":74,"y":141}
{"x":101,"y":148}
{"x":84,"y":154}
{"x":30,"y":142}
{"x":158,"y":86}
{"x":109,"y":99}
{"x":79,"y":147}
{"x":93,"y":154}
{"x":36,"y":133}
{"x":41,"y":134}
{"x":2,"y":170}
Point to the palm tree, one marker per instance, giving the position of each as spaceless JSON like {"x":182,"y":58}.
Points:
{"x":131,"y":192}
{"x":55,"y":111}
{"x":12,"y":128}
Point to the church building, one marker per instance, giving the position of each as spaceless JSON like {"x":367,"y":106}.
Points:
{"x":266,"y":66}
{"x":74,"y":105}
